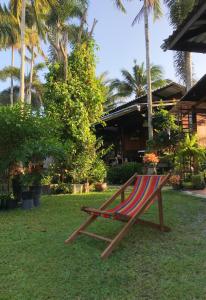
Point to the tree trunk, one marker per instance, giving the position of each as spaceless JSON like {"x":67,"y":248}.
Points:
{"x":188,"y":69}
{"x":22,"y":83}
{"x":149,"y":87}
{"x":12,"y":80}
{"x":31,"y":77}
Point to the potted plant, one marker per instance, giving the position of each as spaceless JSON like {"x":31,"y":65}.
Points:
{"x":17,"y":173}
{"x":35,"y":175}
{"x":46,"y":184}
{"x":151,"y":160}
{"x":27,"y":195}
{"x":175,"y":181}
{"x":7,"y":201}
{"x":79,"y":174}
{"x":11,"y":202}
{"x":77,"y":188}
{"x":27,"y":200}
{"x":99,"y":174}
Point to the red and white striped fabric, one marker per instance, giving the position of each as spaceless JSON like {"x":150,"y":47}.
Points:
{"x":144,"y":187}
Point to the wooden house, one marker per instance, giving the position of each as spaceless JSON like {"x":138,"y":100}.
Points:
{"x":126,"y":126}
{"x":190,"y":36}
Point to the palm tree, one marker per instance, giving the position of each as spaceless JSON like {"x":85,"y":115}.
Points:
{"x":178,"y":11}
{"x":119,"y":5}
{"x":33,"y":45}
{"x":36,"y":86}
{"x":22,"y":28}
{"x":40,"y":7}
{"x":109,"y":92}
{"x":61,"y":31}
{"x":135,"y":83}
{"x":9,"y":38}
{"x":148,"y":6}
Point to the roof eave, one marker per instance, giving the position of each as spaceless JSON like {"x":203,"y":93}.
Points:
{"x":169,"y":44}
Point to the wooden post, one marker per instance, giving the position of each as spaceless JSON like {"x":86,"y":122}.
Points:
{"x":82,"y":227}
{"x":117,"y":239}
{"x":122,"y":196}
{"x":160,"y":207}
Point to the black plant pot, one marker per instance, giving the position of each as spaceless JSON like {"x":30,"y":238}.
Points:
{"x":11,"y":204}
{"x":27,"y":200}
{"x":36,"y":194}
{"x":2,"y":204}
{"x":17,"y":188}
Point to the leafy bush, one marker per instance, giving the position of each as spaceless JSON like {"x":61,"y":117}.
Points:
{"x":187,"y":185}
{"x":25,"y":136}
{"x":198,"y":181}
{"x":189,"y":155}
{"x":121,"y":173}
{"x":61,"y":188}
{"x":167,"y":131}
{"x":99,"y":171}
{"x":46,"y":180}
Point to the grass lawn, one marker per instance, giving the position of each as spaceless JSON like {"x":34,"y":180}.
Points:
{"x":35,"y":264}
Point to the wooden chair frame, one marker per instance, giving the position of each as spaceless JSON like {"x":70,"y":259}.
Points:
{"x":129,"y":222}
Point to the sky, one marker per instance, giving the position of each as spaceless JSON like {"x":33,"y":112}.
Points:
{"x":119,"y":43}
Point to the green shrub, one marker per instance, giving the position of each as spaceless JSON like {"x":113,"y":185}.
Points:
{"x":99,"y":171}
{"x":187,"y":185}
{"x":198,"y":181}
{"x":61,"y":188}
{"x":46,"y":180}
{"x":121,"y":173}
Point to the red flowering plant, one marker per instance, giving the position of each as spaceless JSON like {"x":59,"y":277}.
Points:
{"x":175,"y":181}
{"x":150,"y":159}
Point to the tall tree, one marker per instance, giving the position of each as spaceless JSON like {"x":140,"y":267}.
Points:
{"x":36,"y":88}
{"x":178,"y":11}
{"x":40,"y":8}
{"x":135,"y":83}
{"x":62,"y":32}
{"x":22,"y":28}
{"x":109,"y":92}
{"x":149,"y":5}
{"x":9,"y":38}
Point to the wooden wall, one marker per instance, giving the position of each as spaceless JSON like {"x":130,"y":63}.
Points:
{"x":201,"y":129}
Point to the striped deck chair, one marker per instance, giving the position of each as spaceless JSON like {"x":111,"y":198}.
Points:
{"x":146,"y":190}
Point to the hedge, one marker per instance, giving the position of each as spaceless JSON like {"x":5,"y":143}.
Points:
{"x":121,"y":173}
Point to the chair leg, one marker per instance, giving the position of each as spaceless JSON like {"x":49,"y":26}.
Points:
{"x":160,"y":208}
{"x":117,"y":239}
{"x":77,"y":232}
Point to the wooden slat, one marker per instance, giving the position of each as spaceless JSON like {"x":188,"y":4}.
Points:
{"x":74,"y":235}
{"x":160,"y":208}
{"x":96,"y":236}
{"x":122,"y":196}
{"x":98,"y":211}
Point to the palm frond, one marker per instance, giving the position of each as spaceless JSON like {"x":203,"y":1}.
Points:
{"x":120,"y":5}
{"x":7,"y":72}
{"x":128,"y":78}
{"x":152,"y":6}
{"x":136,"y":83}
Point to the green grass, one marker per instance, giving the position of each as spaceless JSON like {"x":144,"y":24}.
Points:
{"x":35,"y":264}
